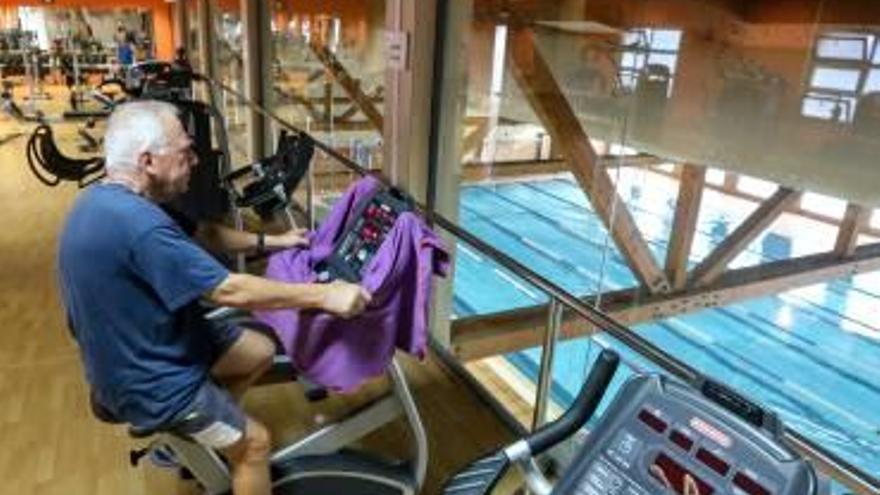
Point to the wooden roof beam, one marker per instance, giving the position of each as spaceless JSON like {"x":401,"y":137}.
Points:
{"x":547,"y":100}
{"x":375,"y":97}
{"x":684,"y":224}
{"x":298,"y":99}
{"x":641,"y":160}
{"x":854,"y":221}
{"x":314,"y":76}
{"x":341,"y":126}
{"x":350,"y":85}
{"x":473,"y":142}
{"x":502,"y":120}
{"x":736,"y":242}
{"x":499,"y":333}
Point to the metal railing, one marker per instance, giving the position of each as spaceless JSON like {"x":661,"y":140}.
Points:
{"x":827,"y":462}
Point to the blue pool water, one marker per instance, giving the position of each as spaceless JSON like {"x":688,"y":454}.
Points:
{"x":812,"y":354}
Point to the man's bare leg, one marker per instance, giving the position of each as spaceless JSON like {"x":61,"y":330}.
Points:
{"x":249,"y":459}
{"x":244,"y":362}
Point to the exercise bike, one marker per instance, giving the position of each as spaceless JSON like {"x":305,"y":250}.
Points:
{"x":321,"y":462}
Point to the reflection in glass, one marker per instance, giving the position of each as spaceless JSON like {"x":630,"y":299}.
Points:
{"x":779,"y":94}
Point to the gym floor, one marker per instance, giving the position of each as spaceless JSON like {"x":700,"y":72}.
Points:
{"x":49,"y":441}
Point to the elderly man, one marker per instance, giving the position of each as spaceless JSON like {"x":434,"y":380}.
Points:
{"x":131,"y":280}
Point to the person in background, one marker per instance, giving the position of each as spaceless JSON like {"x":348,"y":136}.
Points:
{"x":124,"y":48}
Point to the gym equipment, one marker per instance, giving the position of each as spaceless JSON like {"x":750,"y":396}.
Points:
{"x":657,"y":436}
{"x":266,"y":185}
{"x":14,"y":46}
{"x":103,"y":98}
{"x":11,"y":108}
{"x":160,"y":81}
{"x":206,"y":199}
{"x":24,"y":59}
{"x":320,"y":462}
{"x":89,"y":143}
{"x":36,"y":66}
{"x":51,"y":166}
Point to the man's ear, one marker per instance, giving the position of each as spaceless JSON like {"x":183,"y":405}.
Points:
{"x":147,"y":163}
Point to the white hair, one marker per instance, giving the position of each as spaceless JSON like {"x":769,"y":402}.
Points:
{"x":135,"y":128}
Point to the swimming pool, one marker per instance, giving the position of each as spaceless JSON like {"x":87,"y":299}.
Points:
{"x":811,"y":354}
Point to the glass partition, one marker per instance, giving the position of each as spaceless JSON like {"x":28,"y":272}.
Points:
{"x":192,"y":34}
{"x":228,"y":35}
{"x":590,"y":128}
{"x":697,"y":171}
{"x":328,"y":74}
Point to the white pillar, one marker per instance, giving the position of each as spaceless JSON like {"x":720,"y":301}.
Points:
{"x":257,"y":48}
{"x":207,"y":43}
{"x":409,"y":26}
{"x":181,"y":39}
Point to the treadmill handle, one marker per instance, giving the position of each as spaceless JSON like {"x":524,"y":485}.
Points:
{"x":583,"y":407}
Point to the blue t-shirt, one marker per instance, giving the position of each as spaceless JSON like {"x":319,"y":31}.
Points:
{"x":130,"y":280}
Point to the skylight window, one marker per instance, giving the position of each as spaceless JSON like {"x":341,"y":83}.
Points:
{"x":873,"y":82}
{"x":846,"y":66}
{"x":646,"y":46}
{"x":839,"y":79}
{"x":828,"y":107}
{"x":842,"y":48}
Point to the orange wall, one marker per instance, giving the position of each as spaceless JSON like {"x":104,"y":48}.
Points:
{"x":348,"y":9}
{"x":163,"y":28}
{"x":805,"y":11}
{"x":229,"y":5}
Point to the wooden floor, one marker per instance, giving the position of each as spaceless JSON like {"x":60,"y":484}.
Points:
{"x":49,"y":442}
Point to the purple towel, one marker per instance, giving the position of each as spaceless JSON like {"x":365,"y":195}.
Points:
{"x":340,"y":354}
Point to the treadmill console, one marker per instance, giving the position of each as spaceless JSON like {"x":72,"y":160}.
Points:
{"x":660,"y":436}
{"x":363,"y":236}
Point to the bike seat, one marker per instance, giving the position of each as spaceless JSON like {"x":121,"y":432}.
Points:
{"x":103,"y":414}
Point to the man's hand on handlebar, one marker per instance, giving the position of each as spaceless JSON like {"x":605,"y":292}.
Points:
{"x":345,"y":299}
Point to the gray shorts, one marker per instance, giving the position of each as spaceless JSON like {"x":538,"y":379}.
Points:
{"x":212,"y":419}
{"x":222,"y":336}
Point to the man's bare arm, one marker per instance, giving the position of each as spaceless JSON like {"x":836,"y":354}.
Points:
{"x":220,"y":238}
{"x":250,"y":292}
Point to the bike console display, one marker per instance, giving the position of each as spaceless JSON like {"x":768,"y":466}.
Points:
{"x":364,"y":234}
{"x":660,"y":436}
